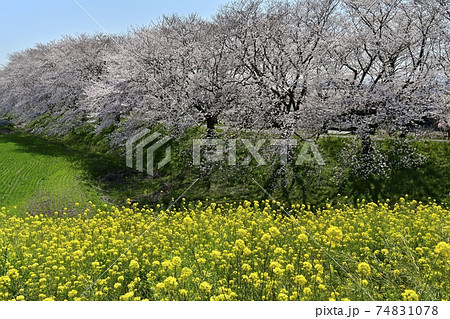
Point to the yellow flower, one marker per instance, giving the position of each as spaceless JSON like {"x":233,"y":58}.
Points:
{"x":188,"y":220}
{"x":278,"y":271}
{"x":72,"y":293}
{"x":334,"y":235}
{"x":241,"y":232}
{"x":282,"y":297}
{"x":443,"y":249}
{"x":278,"y":251}
{"x":265,"y":238}
{"x":307,"y":265}
{"x":170,"y":283}
{"x":205,"y":287}
{"x":410,"y":295}
{"x":300,"y":280}
{"x":186,"y":272}
{"x":13,"y":273}
{"x":246,"y":267}
{"x":176,"y":261}
{"x":215,"y":254}
{"x":239,"y":245}
{"x":364,"y":269}
{"x":134,"y":265}
{"x":319,"y":268}
{"x":167,"y":264}
{"x":183,"y":292}
{"x":303,"y":238}
{"x":78,"y":253}
{"x":274,"y":231}
{"x":127,"y":296}
{"x":307,"y":291}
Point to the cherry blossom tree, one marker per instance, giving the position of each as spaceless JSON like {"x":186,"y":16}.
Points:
{"x":46,"y":83}
{"x":297,"y":66}
{"x":279,"y":46}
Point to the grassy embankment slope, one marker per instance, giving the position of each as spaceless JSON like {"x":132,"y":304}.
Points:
{"x":41,"y":176}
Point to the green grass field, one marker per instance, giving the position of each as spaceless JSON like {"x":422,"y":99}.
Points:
{"x":42,"y":177}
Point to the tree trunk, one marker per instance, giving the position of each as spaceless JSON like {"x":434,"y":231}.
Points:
{"x":211,"y":122}
{"x":366,"y":144}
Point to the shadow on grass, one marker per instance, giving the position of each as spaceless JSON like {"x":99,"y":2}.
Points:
{"x":97,"y":170}
{"x":108,"y":172}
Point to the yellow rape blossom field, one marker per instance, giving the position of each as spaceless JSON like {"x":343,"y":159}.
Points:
{"x":235,"y":251}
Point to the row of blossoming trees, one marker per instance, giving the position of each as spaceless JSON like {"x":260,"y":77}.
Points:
{"x":303,"y":65}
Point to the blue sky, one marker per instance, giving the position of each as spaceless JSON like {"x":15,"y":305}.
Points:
{"x":23,"y":23}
